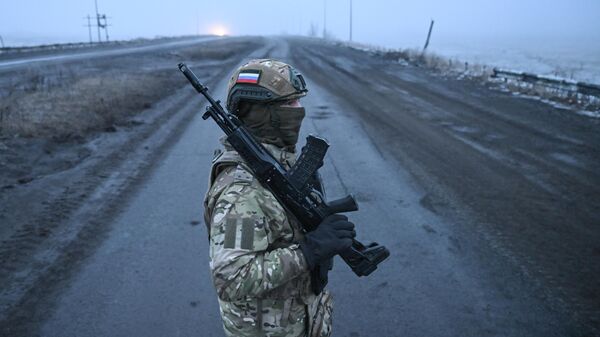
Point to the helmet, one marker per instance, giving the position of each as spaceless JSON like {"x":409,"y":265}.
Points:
{"x":264,"y":80}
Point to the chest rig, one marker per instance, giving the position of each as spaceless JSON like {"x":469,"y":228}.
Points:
{"x":228,"y":168}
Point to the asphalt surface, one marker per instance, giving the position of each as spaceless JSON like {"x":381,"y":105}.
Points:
{"x":487,"y":202}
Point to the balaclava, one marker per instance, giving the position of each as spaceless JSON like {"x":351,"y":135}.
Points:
{"x":274,"y":123}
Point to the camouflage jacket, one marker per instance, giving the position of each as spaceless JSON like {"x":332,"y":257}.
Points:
{"x":260,"y":275}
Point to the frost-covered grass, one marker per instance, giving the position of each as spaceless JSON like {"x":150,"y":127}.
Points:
{"x":575,"y":58}
{"x":429,"y":60}
{"x":586,"y":104}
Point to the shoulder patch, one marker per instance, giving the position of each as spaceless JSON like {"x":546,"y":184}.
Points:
{"x":241,"y":175}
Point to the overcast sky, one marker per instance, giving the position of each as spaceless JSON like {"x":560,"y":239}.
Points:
{"x":388,"y":23}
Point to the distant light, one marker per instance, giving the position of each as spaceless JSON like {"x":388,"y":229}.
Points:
{"x":219,"y":31}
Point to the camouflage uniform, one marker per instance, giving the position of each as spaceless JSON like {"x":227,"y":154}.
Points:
{"x":261,"y":277}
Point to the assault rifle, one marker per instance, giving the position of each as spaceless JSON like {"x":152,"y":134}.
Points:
{"x":295,"y":189}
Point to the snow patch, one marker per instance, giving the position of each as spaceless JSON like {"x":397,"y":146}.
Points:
{"x":593,"y":114}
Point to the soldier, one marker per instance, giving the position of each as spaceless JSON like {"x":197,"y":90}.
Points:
{"x":260,"y":257}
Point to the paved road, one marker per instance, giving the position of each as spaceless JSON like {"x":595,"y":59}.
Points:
{"x":69,"y":55}
{"x":482,"y":198}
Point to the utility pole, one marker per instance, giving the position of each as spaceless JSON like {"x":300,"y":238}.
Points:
{"x":428,"y":36}
{"x":89,"y":25}
{"x":105,"y":26}
{"x":324,"y":19}
{"x":98,"y":23}
{"x":101,"y":23}
{"x":350,"y":20}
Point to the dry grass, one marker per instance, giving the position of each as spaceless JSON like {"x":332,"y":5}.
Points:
{"x":554,"y":94}
{"x":86,"y":104}
{"x":63,"y":103}
{"x":483,"y":73}
{"x":439,"y":63}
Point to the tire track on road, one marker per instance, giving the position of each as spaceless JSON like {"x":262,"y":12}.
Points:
{"x":510,"y":212}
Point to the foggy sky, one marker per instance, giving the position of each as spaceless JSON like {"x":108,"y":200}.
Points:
{"x":387,"y":23}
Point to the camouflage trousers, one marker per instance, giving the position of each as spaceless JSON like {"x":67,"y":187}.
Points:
{"x":278,"y":318}
{"x":320,"y":316}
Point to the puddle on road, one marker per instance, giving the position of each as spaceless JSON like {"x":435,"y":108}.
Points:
{"x":464,"y":129}
{"x":567,"y":159}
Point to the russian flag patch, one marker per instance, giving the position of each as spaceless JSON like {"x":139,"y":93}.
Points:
{"x":248,"y":76}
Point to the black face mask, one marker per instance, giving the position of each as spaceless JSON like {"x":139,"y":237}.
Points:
{"x":274,"y":124}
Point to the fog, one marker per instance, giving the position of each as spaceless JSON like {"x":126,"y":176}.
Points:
{"x":387,"y":23}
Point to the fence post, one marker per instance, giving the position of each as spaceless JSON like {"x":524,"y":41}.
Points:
{"x":428,"y":36}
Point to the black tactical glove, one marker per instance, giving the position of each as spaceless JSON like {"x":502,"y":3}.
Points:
{"x":319,"y":276}
{"x":331,"y":237}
